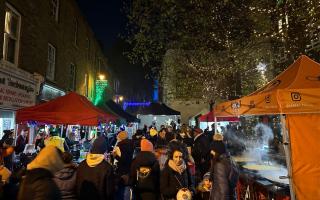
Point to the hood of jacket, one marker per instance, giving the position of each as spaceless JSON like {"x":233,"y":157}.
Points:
{"x":66,"y":173}
{"x":94,"y":159}
{"x":49,"y":159}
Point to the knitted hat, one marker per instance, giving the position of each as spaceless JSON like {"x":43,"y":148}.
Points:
{"x":218,"y":147}
{"x":206,"y":175}
{"x":146,"y":145}
{"x":99,"y":146}
{"x":122,"y":135}
{"x":217,"y":137}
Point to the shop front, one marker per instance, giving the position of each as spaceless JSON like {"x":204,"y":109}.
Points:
{"x":17,"y":90}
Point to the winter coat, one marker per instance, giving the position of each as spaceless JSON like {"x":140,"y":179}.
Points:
{"x":171,"y":182}
{"x":161,"y":143}
{"x":201,"y":153}
{"x":144,"y":192}
{"x":38,"y":185}
{"x":124,"y":162}
{"x":95,"y":182}
{"x":20,"y":144}
{"x":66,"y":182}
{"x":221,"y":170}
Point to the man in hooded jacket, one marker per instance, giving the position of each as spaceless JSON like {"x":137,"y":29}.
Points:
{"x":95,"y":175}
{"x":38,"y":183}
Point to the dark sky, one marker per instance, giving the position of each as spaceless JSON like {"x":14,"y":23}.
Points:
{"x":105,"y":18}
{"x":108,"y":21}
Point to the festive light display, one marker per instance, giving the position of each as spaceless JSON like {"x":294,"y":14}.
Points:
{"x":133,"y":104}
{"x":101,"y":85}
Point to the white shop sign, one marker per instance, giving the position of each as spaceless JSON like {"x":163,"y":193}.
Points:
{"x":15,"y":92}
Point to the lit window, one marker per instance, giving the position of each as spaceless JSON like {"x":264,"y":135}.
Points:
{"x":51,"y":62}
{"x":54,"y":11}
{"x":11,"y":35}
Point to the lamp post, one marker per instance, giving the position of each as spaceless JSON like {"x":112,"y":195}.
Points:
{"x":118,"y":98}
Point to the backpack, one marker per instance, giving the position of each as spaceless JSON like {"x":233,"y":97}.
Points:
{"x":234,"y":174}
{"x":145,"y":181}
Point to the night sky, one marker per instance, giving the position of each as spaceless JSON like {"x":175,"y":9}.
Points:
{"x":105,"y":18}
{"x":107,"y":22}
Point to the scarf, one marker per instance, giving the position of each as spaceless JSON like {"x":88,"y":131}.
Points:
{"x":178,"y":168}
{"x":94,"y":159}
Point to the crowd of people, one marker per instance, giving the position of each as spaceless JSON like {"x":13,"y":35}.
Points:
{"x":168,"y":164}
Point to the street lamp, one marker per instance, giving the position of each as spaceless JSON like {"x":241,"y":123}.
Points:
{"x":101,"y":76}
{"x":118,"y":98}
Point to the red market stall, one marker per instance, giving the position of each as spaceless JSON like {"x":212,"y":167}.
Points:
{"x":295,"y":95}
{"x":69,"y":109}
{"x":209,"y":117}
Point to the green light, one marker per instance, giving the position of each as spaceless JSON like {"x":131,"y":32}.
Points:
{"x":101,"y":85}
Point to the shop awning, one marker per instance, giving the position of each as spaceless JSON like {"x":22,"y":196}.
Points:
{"x":69,"y":109}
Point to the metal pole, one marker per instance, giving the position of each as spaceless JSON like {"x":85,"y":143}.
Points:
{"x":215,"y":125}
{"x":287,"y":150}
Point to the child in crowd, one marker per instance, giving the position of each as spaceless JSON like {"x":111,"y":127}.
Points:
{"x":204,"y":188}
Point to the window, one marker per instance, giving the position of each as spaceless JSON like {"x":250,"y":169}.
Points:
{"x":76,"y":32}
{"x":51,"y":62}
{"x":54,"y":9}
{"x":11,"y":35}
{"x":72,"y":79}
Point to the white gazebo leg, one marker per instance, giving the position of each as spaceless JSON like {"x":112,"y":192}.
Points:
{"x":287,"y":150}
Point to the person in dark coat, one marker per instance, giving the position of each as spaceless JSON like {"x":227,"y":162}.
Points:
{"x":145,"y":173}
{"x":95,"y":178}
{"x":123,"y":153}
{"x":221,"y":167}
{"x":66,"y":178}
{"x":38,"y":183}
{"x":6,"y":142}
{"x":161,"y":139}
{"x":175,"y":176}
{"x":39,"y":144}
{"x":21,"y":141}
{"x":201,"y":153}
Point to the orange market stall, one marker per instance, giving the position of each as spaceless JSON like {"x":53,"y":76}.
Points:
{"x":295,"y":95}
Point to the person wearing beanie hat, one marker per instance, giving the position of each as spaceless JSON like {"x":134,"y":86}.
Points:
{"x":38,"y":183}
{"x":122,"y":136}
{"x":95,"y":172}
{"x":204,"y":187}
{"x":145,"y":173}
{"x":123,"y":154}
{"x":221,"y":167}
{"x":201,"y":153}
{"x":218,"y":147}
{"x":146,"y":145}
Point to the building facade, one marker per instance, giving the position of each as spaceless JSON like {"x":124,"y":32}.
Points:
{"x":46,"y":49}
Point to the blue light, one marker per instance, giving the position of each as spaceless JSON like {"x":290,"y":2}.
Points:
{"x":134,"y":104}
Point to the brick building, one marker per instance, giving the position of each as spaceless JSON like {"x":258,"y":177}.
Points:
{"x":48,"y":47}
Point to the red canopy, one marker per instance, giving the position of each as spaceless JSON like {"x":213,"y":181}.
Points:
{"x":209,"y":117}
{"x":69,"y":109}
